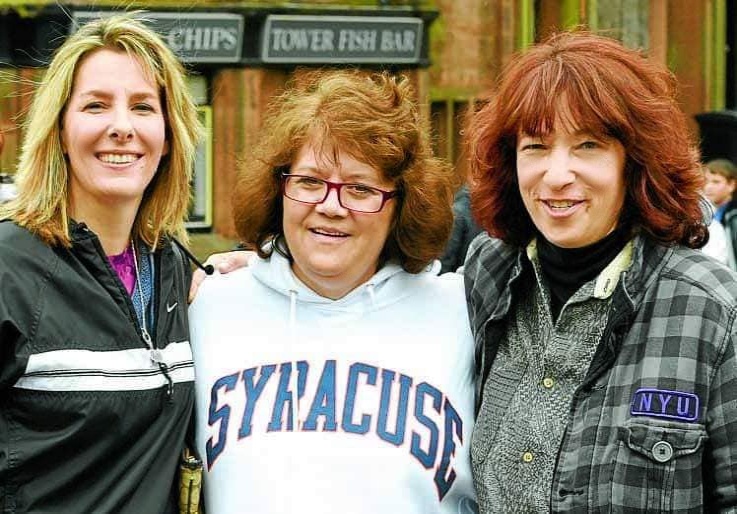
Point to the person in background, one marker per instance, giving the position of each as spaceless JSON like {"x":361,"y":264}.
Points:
{"x":717,"y":245}
{"x":96,"y":373}
{"x":721,"y":179}
{"x":606,"y":340}
{"x":726,"y":168}
{"x":335,"y":373}
{"x":463,"y":232}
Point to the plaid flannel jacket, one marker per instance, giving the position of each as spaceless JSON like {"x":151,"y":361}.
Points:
{"x":653,"y":427}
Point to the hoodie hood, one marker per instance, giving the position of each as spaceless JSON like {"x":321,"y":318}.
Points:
{"x":385,"y":287}
{"x":388,"y":285}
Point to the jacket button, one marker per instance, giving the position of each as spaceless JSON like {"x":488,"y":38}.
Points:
{"x":527,"y":457}
{"x":662,"y":451}
{"x":548,"y":383}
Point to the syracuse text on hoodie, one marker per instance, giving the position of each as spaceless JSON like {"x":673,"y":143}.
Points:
{"x":385,"y":383}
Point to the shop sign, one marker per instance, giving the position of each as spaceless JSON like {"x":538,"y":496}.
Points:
{"x":341,"y":39}
{"x":195,"y":37}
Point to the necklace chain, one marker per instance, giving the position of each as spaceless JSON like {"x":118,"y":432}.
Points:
{"x":156,"y":356}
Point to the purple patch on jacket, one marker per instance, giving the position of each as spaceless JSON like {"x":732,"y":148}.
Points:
{"x":662,"y":403}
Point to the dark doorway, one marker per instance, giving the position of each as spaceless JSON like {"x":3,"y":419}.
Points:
{"x":731,"y":100}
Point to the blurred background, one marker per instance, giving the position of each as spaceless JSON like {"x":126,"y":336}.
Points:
{"x":241,"y":53}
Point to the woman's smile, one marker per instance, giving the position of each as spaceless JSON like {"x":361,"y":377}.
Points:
{"x":572,"y":184}
{"x":335,"y":249}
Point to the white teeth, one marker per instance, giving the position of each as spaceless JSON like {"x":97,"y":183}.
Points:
{"x":560,"y":204}
{"x":115,"y":158}
{"x":328,"y":233}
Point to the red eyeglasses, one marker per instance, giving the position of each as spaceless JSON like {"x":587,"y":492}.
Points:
{"x":354,"y":197}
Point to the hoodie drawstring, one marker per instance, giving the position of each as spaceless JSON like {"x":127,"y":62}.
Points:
{"x":209,"y":269}
{"x":372,"y":294}
{"x":294,"y":374}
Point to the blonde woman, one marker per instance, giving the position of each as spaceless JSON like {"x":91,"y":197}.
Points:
{"x":96,"y":377}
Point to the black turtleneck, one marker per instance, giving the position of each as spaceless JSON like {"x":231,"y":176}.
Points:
{"x":566,"y":269}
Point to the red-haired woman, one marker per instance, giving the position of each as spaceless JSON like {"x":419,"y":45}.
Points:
{"x":606,"y":342}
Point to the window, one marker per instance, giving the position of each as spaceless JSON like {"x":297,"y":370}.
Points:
{"x":448,"y":120}
{"x":200,"y":213}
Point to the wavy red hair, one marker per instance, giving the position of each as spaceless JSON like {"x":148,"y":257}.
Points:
{"x":374,"y":118}
{"x":609,"y":91}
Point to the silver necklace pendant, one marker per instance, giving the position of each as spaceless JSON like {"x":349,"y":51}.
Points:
{"x":156,"y":356}
{"x":154,"y":353}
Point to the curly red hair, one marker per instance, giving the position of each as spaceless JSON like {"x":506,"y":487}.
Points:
{"x":375,"y":119}
{"x":609,"y":91}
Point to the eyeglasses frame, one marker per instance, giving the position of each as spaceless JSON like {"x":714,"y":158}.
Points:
{"x":385,"y":195}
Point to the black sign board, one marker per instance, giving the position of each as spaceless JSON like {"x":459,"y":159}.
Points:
{"x":341,"y":39}
{"x":195,"y":37}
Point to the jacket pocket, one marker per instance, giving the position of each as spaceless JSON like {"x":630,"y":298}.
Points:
{"x":658,"y":467}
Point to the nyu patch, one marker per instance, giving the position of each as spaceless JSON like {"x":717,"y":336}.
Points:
{"x":661,"y":403}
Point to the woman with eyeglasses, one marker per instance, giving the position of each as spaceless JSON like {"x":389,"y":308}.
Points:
{"x":335,"y":373}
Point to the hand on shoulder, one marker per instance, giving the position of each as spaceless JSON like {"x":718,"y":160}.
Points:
{"x":223,"y":263}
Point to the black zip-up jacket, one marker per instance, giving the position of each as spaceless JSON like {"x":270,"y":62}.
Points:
{"x":88,"y":422}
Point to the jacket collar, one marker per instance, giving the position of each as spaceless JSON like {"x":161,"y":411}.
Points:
{"x":648,"y":260}
{"x":80,"y":233}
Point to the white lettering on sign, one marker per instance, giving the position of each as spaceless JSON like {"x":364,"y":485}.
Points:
{"x":397,"y":41}
{"x":315,"y":40}
{"x":202,"y":38}
{"x":357,"y":40}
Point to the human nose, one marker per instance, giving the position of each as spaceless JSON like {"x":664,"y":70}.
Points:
{"x":121,"y":127}
{"x":331,"y":204}
{"x":559,"y":172}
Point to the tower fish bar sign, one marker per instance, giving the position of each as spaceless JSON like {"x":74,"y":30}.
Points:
{"x":341,"y":39}
{"x":196,"y":37}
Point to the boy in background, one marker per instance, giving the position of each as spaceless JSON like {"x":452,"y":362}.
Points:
{"x":721,"y":179}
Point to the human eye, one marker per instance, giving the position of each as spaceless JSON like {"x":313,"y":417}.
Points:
{"x":143,"y":107}
{"x":93,"y":106}
{"x":307,"y":182}
{"x":530,"y":144}
{"x":531,"y":147}
{"x":361,"y":190}
{"x":589,"y":144}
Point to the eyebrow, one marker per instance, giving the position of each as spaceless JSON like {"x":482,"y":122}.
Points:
{"x":361,"y":176}
{"x":98,"y":93}
{"x":585,"y":132}
{"x":308,"y":168}
{"x":350,"y":176}
{"x":577,"y":133}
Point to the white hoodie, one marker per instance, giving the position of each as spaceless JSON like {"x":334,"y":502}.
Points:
{"x":386,"y":394}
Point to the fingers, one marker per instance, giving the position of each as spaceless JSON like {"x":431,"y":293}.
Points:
{"x":197,"y":277}
{"x":232,"y":261}
{"x":223,"y":263}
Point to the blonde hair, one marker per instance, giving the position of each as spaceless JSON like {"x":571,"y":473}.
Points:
{"x":43,"y":172}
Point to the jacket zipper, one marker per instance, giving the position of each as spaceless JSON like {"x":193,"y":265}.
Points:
{"x":133,"y":318}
